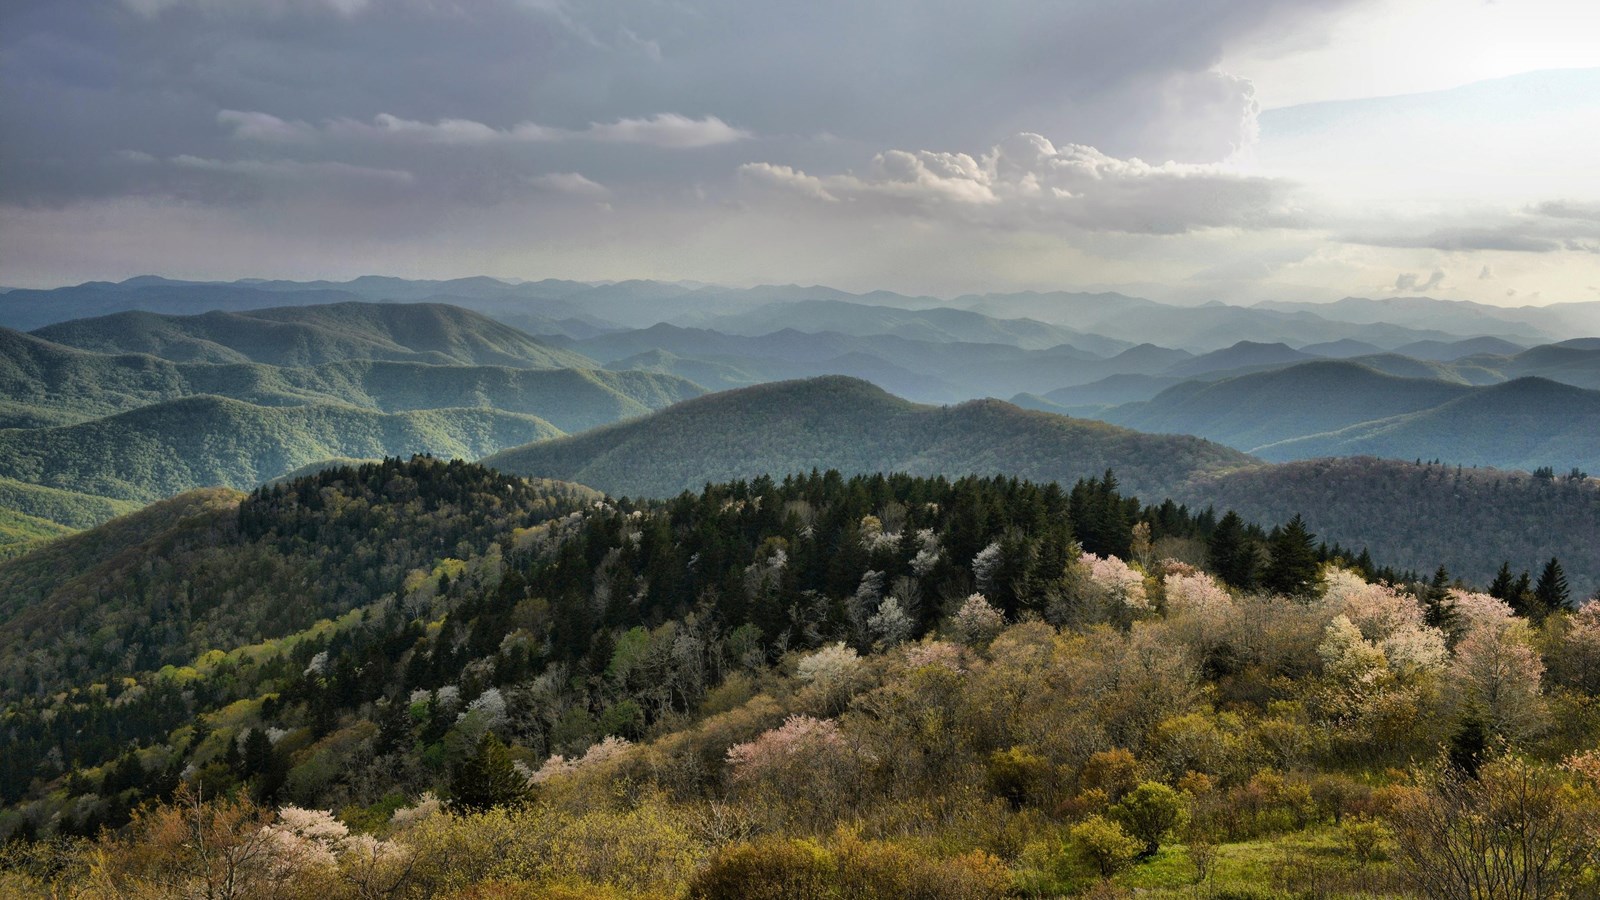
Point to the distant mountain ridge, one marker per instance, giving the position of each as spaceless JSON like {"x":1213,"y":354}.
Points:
{"x":304,"y":336}
{"x":850,"y":425}
{"x":1386,"y":406}
{"x":1523,"y":424}
{"x":54,"y":384}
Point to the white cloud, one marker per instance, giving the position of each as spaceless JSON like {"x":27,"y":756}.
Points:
{"x":1028,"y":180}
{"x":291,"y":169}
{"x":569,"y":183}
{"x":259,"y":126}
{"x":667,"y":130}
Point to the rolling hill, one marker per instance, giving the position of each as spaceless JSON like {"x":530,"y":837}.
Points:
{"x":1522,"y":424}
{"x":312,"y":335}
{"x":1267,"y":407}
{"x":850,"y":425}
{"x":165,"y":448}
{"x":1244,"y":354}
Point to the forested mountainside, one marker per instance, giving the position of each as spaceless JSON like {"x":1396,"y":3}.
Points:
{"x":1427,"y":513}
{"x":1263,"y":408}
{"x":1526,"y":424}
{"x":50,"y":383}
{"x":165,"y":448}
{"x":311,"y":335}
{"x":855,"y":427}
{"x":424,"y":679}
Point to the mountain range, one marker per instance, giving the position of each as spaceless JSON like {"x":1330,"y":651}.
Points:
{"x":132,"y":405}
{"x":101,"y":414}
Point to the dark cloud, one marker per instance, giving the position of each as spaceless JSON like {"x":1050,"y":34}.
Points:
{"x":1563,"y":209}
{"x":263,"y":79}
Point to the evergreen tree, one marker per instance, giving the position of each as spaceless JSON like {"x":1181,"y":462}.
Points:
{"x":1232,"y":556}
{"x":488,"y":779}
{"x":1293,"y":570}
{"x":1438,"y":611}
{"x":395,"y":727}
{"x":1521,"y":593}
{"x":1504,"y":584}
{"x":257,"y":752}
{"x":1551,"y":593}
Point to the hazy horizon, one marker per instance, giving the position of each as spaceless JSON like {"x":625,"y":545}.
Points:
{"x":1159,"y":293}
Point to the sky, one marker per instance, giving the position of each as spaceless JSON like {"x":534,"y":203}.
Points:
{"x":1234,"y":150}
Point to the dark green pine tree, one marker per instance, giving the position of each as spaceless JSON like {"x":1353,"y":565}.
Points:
{"x":1551,"y":593}
{"x":257,"y":752}
{"x":1504,"y":584}
{"x":1521,"y":598}
{"x":1293,"y":569}
{"x":488,"y":779}
{"x":395,"y":727}
{"x":1233,"y":559}
{"x":1437,"y":609}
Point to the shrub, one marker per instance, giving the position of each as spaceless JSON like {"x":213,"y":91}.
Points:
{"x":1104,"y":845}
{"x":771,"y":869}
{"x":877,"y":869}
{"x":1149,"y":813}
{"x":1016,"y":774}
{"x":1365,"y":838}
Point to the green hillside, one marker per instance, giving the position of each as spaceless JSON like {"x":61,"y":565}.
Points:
{"x":20,"y":532}
{"x":213,"y":568}
{"x":1524,"y":424}
{"x":850,"y":425}
{"x":51,"y":384}
{"x":1419,"y":516}
{"x":312,"y":335}
{"x":70,"y":508}
{"x":165,"y":448}
{"x":1265,"y":407}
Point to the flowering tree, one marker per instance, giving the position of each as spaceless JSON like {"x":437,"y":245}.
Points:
{"x":1392,"y":621}
{"x":1120,"y":581}
{"x":1499,"y":675}
{"x":779,"y":748}
{"x":890,"y":625}
{"x":977,"y":621}
{"x":609,"y":748}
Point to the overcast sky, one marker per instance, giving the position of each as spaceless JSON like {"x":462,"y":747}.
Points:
{"x":1229,"y":149}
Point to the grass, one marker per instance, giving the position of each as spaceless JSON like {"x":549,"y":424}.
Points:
{"x":1311,"y":863}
